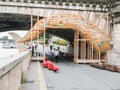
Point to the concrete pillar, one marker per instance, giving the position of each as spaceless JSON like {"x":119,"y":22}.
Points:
{"x":114,"y":54}
{"x":116,"y":37}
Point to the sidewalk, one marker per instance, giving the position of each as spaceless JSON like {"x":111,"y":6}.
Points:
{"x":34,"y":77}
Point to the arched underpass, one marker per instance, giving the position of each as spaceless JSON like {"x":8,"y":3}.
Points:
{"x":85,"y":49}
{"x":67,"y":34}
{"x":90,"y":43}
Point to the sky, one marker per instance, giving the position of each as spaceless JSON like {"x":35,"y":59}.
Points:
{"x":20,"y":32}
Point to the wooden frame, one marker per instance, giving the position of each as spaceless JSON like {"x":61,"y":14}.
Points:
{"x":44,"y":46}
{"x":81,"y":27}
{"x":37,"y":32}
{"x":76,"y":36}
{"x":86,"y":52}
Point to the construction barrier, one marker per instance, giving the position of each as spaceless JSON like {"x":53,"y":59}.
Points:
{"x":50,"y":65}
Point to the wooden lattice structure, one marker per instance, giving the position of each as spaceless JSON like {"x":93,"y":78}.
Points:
{"x":15,"y":36}
{"x":93,"y":41}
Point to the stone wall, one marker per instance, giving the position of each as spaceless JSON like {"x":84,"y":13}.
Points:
{"x":70,"y":5}
{"x":114,"y":54}
{"x":11,"y":70}
{"x":114,"y":58}
{"x":45,"y":10}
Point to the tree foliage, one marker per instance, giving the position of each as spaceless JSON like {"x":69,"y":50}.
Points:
{"x":4,"y":38}
{"x":61,"y":42}
{"x":47,"y":37}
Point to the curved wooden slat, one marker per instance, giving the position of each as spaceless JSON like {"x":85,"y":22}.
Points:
{"x":100,"y":40}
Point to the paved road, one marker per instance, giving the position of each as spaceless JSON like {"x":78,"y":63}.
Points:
{"x":80,"y":77}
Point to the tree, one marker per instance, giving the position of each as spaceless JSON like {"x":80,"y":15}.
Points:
{"x":4,"y":38}
{"x":61,"y":42}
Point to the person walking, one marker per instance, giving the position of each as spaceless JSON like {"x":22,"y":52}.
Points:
{"x":56,"y":55}
{"x":51,"y":47}
{"x":58,"y":48}
{"x":36,"y":45}
{"x":32,"y":50}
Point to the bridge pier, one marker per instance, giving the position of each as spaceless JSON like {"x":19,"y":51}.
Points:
{"x":114,"y":54}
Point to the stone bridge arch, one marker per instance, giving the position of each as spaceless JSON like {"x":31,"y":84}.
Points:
{"x":97,"y":14}
{"x":86,"y":33}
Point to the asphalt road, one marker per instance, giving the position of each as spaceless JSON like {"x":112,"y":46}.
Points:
{"x":80,"y":77}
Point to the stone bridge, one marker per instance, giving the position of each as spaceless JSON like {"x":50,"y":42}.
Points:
{"x":12,"y":68}
{"x":45,"y":9}
{"x":96,"y":13}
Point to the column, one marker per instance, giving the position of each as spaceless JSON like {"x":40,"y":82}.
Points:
{"x":114,"y":54}
{"x":76,"y":44}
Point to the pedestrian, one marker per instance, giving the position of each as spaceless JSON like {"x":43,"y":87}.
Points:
{"x":36,"y":46}
{"x":56,"y":55}
{"x":32,"y":50}
{"x":58,"y":48}
{"x":51,"y":47}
